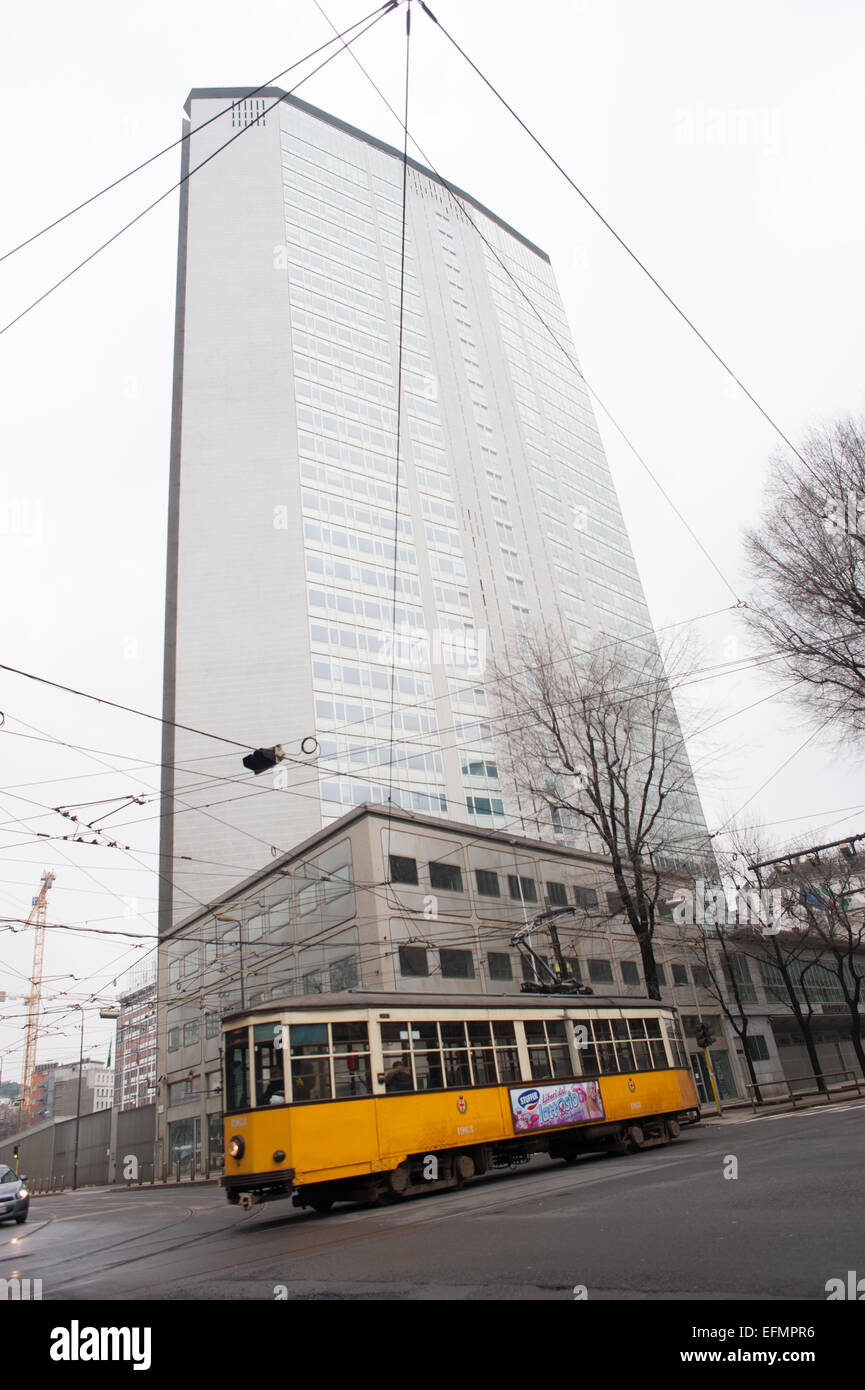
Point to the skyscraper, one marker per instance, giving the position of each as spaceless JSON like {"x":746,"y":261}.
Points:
{"x":313,"y":591}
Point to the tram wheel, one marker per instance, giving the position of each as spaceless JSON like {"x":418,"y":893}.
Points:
{"x":321,"y":1204}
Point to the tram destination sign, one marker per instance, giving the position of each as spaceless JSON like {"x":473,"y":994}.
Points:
{"x":562,"y":1103}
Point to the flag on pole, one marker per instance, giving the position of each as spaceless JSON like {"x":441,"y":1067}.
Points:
{"x":108,"y":1062}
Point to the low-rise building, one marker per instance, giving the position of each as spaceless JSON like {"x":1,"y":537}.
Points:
{"x":135,"y":1055}
{"x":385,"y":899}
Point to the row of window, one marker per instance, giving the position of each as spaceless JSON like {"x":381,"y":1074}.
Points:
{"x":325,"y":1061}
{"x":449,"y":877}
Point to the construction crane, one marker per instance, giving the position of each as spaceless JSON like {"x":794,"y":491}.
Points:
{"x":37,"y":918}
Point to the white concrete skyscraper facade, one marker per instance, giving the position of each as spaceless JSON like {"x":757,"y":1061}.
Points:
{"x":289,"y":614}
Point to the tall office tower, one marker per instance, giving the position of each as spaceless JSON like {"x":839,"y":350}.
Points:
{"x":311,"y":591}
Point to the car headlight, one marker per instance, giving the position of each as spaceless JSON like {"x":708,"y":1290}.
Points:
{"x":236,"y":1146}
{"x":23,"y":1192}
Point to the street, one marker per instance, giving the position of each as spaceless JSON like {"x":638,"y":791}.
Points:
{"x":665,"y":1224}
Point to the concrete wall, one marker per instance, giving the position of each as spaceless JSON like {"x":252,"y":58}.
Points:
{"x":47,"y":1152}
{"x":136,"y":1139}
{"x":93,"y":1138}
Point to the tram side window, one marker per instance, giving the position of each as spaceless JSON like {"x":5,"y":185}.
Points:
{"x":601,"y":1057}
{"x":548,"y":1049}
{"x":267,"y":1064}
{"x":425,"y":1056}
{"x":507,"y":1056}
{"x":351,"y":1065}
{"x":656,"y":1043}
{"x":677,"y":1047}
{"x":310,"y":1061}
{"x":642,"y":1054}
{"x":622,"y":1044}
{"x":237,"y":1069}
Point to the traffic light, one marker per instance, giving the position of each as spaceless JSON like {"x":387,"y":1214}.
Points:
{"x":263,"y":759}
{"x":705,"y":1036}
{"x":15,"y":1156}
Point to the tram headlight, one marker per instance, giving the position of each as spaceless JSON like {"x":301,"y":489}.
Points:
{"x":236,"y":1146}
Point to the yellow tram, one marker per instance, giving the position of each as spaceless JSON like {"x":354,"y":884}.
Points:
{"x":364,"y":1097}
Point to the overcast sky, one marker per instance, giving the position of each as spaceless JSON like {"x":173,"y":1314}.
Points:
{"x":724,"y":145}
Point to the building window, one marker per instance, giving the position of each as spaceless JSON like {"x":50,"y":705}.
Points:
{"x":586,"y":897}
{"x":499,"y":963}
{"x":662,"y":974}
{"x":630,"y":972}
{"x":413,"y":960}
{"x":757,"y":1048}
{"x":701,"y":976}
{"x":173,"y":1039}
{"x":190,"y":1034}
{"x":557,"y":894}
{"x":572,"y":967}
{"x":174,"y":972}
{"x":600,"y":972}
{"x":522,"y":889}
{"x":457,"y":965}
{"x":488,"y":883}
{"x":446,"y":876}
{"x":307,"y":899}
{"x":680,"y":975}
{"x":615,"y":903}
{"x":403,"y":870}
{"x":211,"y":1025}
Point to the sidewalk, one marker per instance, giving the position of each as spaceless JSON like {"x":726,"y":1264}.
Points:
{"x":738,"y":1110}
{"x":171,"y":1186}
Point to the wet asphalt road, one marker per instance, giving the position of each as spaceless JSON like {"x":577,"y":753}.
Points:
{"x":664,"y":1224}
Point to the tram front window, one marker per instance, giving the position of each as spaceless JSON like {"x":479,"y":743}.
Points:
{"x":267,"y":1064}
{"x":237,"y":1069}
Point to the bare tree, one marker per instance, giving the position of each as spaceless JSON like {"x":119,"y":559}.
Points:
{"x":764,"y":930}
{"x":728,"y":985}
{"x":827,"y":903}
{"x":807,"y":558}
{"x":595,"y":746}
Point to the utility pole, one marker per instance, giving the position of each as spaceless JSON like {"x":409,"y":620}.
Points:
{"x":78,"y":1103}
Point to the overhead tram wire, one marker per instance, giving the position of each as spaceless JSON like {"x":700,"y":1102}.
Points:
{"x":341,"y":728}
{"x":391,"y":4}
{"x":379,"y":15}
{"x":217,"y":778}
{"x":336,"y":772}
{"x":533,"y":307}
{"x":624,"y":245}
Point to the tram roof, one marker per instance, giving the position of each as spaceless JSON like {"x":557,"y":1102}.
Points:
{"x":506,"y":1003}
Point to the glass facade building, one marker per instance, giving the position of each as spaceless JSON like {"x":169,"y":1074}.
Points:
{"x":313,"y":589}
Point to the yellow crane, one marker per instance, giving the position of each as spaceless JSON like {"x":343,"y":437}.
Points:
{"x":37,"y":918}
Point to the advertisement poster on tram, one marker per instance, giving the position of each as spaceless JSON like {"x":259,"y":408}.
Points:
{"x":562,"y":1103}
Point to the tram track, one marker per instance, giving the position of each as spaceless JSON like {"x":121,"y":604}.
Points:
{"x":385,"y":1228}
{"x":49,"y":1263}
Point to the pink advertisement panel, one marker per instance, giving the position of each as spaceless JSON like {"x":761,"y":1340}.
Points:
{"x":557,"y":1103}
